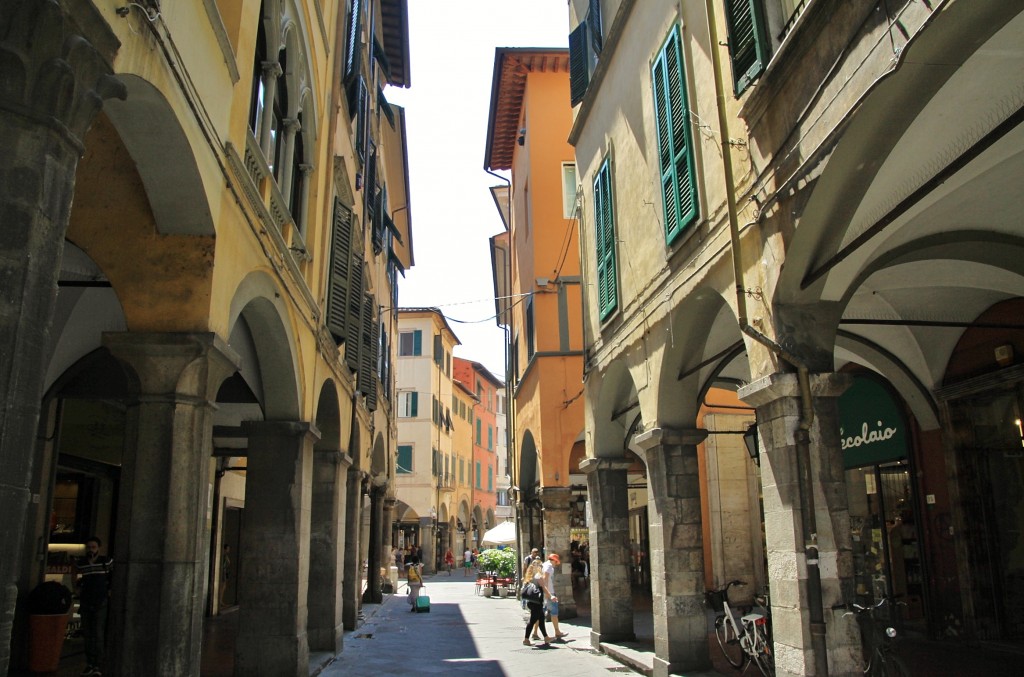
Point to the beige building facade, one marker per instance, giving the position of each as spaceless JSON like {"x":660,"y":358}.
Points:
{"x":801,"y":203}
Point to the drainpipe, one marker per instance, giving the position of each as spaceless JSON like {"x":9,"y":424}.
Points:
{"x":802,"y":436}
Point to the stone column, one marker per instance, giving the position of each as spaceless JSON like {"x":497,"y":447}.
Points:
{"x":274,"y":554}
{"x":778,"y":402}
{"x":162,"y":533}
{"x":353,"y":579}
{"x":327,"y":550}
{"x":611,"y":599}
{"x":373,"y":560}
{"x":427,"y":540}
{"x":386,"y":530}
{"x":677,"y":549}
{"x":56,"y":77}
{"x":557,"y":539}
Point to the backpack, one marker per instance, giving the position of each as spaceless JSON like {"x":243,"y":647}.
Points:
{"x":531,"y":592}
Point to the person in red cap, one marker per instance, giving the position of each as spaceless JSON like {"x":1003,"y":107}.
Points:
{"x":549,"y":582}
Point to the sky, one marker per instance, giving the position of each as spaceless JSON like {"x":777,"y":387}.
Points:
{"x":452,"y":47}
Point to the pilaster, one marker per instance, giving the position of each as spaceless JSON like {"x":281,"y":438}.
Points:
{"x":677,"y":548}
{"x":611,"y":599}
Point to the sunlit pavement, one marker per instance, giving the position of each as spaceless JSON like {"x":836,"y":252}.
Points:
{"x":463,"y":634}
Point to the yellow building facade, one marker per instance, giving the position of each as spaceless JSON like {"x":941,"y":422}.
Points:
{"x":203,"y":260}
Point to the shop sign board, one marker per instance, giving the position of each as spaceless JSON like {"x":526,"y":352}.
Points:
{"x":871,"y":428}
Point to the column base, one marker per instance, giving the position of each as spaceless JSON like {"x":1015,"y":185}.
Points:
{"x":663,"y":668}
{"x":596,"y":638}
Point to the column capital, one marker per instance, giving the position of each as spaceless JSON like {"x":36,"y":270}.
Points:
{"x":53,"y":48}
{"x":272,"y":69}
{"x":786,"y":384}
{"x":292,"y":125}
{"x":281,"y":429}
{"x":590,"y":465}
{"x":665,"y":436}
{"x":187,"y":363}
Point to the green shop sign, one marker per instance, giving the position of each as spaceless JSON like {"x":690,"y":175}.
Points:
{"x":871,"y":427}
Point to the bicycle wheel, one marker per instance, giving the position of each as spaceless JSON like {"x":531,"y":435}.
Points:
{"x":730,"y":643}
{"x":764,"y":656}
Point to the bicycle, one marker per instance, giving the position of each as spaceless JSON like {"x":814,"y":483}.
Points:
{"x":748,"y":640}
{"x":880,"y":656}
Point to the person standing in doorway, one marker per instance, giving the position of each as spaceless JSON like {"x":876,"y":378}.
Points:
{"x":550,"y":569}
{"x":93,"y":579}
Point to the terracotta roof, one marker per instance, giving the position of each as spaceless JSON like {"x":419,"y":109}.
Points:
{"x":511,"y":66}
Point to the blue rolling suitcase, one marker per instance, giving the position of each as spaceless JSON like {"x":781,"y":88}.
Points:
{"x":423,"y":604}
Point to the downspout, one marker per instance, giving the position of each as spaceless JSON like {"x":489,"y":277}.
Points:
{"x":802,"y":436}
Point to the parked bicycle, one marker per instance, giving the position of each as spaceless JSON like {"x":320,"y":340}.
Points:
{"x":743,"y":641}
{"x":877,"y":635}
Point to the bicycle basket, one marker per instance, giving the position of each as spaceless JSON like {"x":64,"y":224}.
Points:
{"x":715,"y":599}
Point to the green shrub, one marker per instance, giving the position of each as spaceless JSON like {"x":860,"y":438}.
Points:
{"x":499,"y":562}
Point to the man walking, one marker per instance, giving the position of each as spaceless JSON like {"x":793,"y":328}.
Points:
{"x":94,"y":580}
{"x":549,"y":583}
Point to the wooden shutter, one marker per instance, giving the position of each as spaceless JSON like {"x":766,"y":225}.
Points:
{"x":362,"y":106}
{"x":367,"y":349}
{"x":353,"y":51}
{"x":438,"y":349}
{"x":604,"y":235}
{"x":417,"y":342}
{"x":748,"y":42}
{"x":341,"y":265}
{"x":672,"y":114}
{"x":596,"y":27}
{"x":354,"y":316}
{"x":579,"y":66}
{"x":414,"y":405}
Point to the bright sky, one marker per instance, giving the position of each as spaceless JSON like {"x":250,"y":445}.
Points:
{"x":453,"y":215}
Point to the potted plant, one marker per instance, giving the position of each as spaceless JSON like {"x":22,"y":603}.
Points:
{"x":48,"y":607}
{"x":499,"y":564}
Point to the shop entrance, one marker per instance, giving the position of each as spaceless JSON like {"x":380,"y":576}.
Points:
{"x":989,"y":445}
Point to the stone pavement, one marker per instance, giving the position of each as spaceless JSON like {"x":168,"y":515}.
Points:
{"x":464,"y":634}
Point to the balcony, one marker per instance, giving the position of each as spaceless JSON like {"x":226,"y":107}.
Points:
{"x":446,"y":481}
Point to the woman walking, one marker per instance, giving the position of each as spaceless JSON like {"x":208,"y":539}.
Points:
{"x":533,"y":594}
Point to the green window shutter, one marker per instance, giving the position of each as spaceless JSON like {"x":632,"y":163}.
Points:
{"x":341,"y":263}
{"x":579,"y":67}
{"x":354,"y":316}
{"x":478,"y":475}
{"x":367,"y":380}
{"x":479,"y":429}
{"x":748,"y":42}
{"x":373,"y":368}
{"x":361,"y":103}
{"x":490,"y":438}
{"x":604,"y":227}
{"x":417,"y":342}
{"x":414,"y":404}
{"x":404,"y":462}
{"x":675,"y":151}
{"x":490,"y":478}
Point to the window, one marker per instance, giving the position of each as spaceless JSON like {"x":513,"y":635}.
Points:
{"x":530,"y":342}
{"x":490,"y":400}
{"x":341,"y":272}
{"x":404,"y":463}
{"x":490,"y":438}
{"x":585,"y":43}
{"x":568,"y":189}
{"x":462,"y":471}
{"x":410,"y":343}
{"x":408,"y":405}
{"x":478,"y":475}
{"x":501,"y":404}
{"x":479,"y":429}
{"x":435,"y":410}
{"x":675,"y":149}
{"x":604,"y":240}
{"x":490,"y":478}
{"x":749,"y":48}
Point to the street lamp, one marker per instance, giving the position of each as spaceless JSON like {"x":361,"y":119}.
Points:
{"x":751,"y":442}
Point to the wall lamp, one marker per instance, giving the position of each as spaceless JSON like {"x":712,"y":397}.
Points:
{"x":752,"y":444}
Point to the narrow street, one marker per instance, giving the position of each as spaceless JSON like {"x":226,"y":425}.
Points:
{"x":463,"y":634}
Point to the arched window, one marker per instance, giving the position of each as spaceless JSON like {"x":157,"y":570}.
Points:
{"x":258,"y":88}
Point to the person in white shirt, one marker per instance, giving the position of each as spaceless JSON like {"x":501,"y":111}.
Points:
{"x":467,"y":562}
{"x":549,"y":583}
